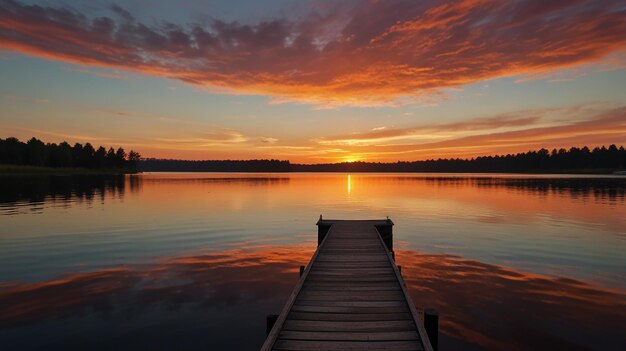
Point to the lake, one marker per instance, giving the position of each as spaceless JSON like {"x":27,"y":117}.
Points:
{"x":196,"y":261}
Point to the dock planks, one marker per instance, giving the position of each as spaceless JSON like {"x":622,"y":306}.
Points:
{"x":350,"y":297}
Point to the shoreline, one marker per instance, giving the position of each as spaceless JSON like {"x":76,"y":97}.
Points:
{"x":12,"y":170}
{"x":602,"y":172}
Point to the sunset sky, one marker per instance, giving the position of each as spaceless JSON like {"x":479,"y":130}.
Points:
{"x":315,"y":81}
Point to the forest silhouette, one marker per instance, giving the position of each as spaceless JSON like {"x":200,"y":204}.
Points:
{"x":37,"y":153}
{"x":600,"y":159}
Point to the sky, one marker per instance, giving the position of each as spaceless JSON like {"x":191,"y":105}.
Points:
{"x":315,"y":81}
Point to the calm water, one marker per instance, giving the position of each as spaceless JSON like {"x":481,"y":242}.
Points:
{"x":196,"y":261}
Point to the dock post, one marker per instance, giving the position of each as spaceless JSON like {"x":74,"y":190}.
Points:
{"x":322,"y":230}
{"x":270,"y":320}
{"x":431,"y":324}
{"x":301,"y":270}
{"x":386,"y":233}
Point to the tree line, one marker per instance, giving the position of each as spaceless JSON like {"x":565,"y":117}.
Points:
{"x":35,"y":152}
{"x":599,"y":159}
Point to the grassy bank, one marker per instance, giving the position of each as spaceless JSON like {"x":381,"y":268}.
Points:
{"x":35,"y":170}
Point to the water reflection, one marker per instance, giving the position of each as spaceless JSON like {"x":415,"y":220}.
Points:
{"x":211,"y":300}
{"x":33,"y":192}
{"x":215,"y":301}
{"x":612,"y":188}
{"x":250,"y":179}
{"x":105,"y":262}
{"x":537,"y":223}
{"x":497,"y":308}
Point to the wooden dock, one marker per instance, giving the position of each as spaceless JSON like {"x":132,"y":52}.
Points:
{"x":350,"y":296}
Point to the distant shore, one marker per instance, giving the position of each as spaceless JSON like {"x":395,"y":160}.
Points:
{"x":35,"y":170}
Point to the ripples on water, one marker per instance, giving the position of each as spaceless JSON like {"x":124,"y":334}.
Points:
{"x":196,"y":261}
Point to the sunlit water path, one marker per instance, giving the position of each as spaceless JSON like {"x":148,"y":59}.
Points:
{"x":196,"y":261}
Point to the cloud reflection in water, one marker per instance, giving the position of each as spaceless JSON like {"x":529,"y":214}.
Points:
{"x":219,"y":300}
{"x":498,"y":308}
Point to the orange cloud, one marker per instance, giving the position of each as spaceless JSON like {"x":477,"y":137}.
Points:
{"x":452,"y":140}
{"x":384,"y":135}
{"x":370,"y":53}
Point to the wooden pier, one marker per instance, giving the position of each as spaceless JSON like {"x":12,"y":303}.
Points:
{"x":350,"y":296}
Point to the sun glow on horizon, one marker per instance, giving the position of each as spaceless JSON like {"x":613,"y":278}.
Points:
{"x":351,"y":159}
